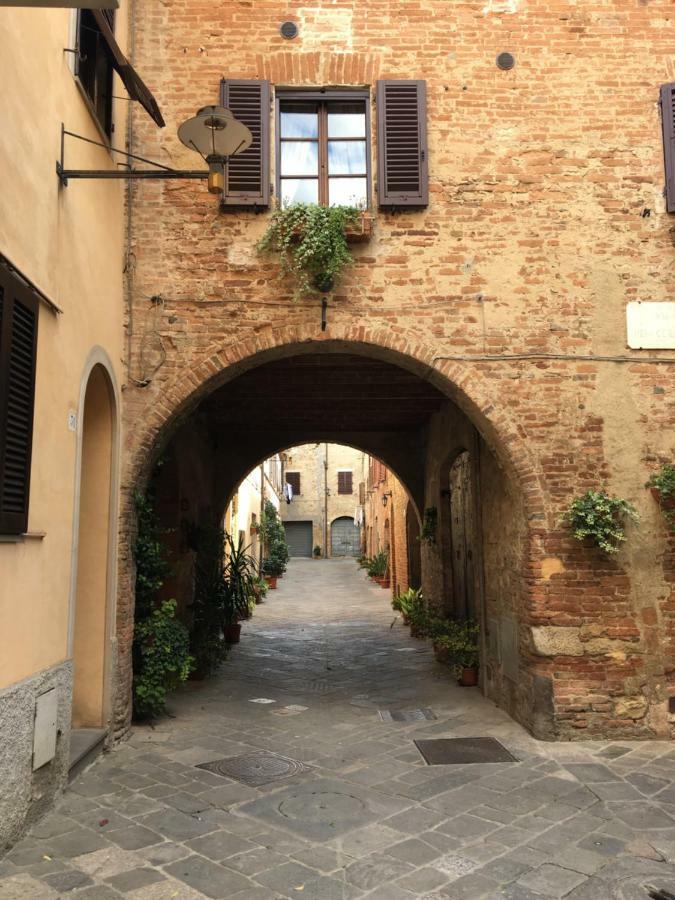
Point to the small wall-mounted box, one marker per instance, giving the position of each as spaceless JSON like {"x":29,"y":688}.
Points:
{"x":44,"y":734}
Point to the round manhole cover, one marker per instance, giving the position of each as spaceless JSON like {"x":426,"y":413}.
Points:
{"x":322,"y":806}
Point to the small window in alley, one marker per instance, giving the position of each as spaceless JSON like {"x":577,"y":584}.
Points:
{"x":344,"y":482}
{"x":94,"y":67}
{"x":293,"y":478}
{"x":323,"y":152}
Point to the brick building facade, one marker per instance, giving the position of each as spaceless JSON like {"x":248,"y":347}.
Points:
{"x":489,"y":322}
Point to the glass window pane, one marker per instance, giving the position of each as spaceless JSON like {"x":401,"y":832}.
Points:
{"x":347,"y":120}
{"x":299,"y":123}
{"x":348,"y":192}
{"x":346,"y":157}
{"x":299,"y":158}
{"x":299,"y":190}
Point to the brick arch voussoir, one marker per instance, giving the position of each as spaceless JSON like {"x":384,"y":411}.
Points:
{"x":469,"y":387}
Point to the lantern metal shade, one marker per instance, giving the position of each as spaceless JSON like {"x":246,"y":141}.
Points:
{"x":214,"y":131}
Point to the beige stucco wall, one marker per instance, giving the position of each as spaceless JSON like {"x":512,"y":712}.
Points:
{"x":310,"y":460}
{"x":244,"y":508}
{"x":69,"y":243}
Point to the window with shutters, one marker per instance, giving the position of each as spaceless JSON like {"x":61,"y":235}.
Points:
{"x":402,"y":156}
{"x":344,"y":482}
{"x":18,"y":341}
{"x":94,"y":66}
{"x":323,"y":148}
{"x":293,"y":478}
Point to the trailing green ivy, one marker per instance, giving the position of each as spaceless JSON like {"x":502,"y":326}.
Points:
{"x":161,"y":643}
{"x":600,"y":517}
{"x":161,"y":659}
{"x":312,"y":243}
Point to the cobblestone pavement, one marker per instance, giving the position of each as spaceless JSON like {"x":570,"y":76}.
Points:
{"x":354,"y":810}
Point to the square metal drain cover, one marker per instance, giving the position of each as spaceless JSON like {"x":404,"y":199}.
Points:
{"x":462,"y":751}
{"x":406,"y":715}
{"x":255,"y":769}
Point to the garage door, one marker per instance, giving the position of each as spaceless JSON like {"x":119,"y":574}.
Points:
{"x":345,"y":537}
{"x":299,"y":538}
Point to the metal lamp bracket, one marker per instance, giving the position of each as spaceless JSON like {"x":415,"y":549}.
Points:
{"x":159,"y":172}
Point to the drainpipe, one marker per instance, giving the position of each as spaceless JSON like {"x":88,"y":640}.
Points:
{"x":325,"y":502}
{"x":479,"y":564}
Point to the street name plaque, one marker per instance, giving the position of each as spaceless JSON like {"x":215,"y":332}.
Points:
{"x":651,"y":325}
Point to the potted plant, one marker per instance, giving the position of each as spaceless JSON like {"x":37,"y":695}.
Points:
{"x":316,"y":553}
{"x":260,"y":588}
{"x":413,"y":611}
{"x":208,"y":645}
{"x":456,"y":643}
{"x":429,"y":525}
{"x":377,"y":566}
{"x":600,"y":517}
{"x":312,"y":241}
{"x":662,"y":486}
{"x":275,"y":546}
{"x":239,"y":590}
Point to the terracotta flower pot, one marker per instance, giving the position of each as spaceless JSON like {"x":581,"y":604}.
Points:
{"x":385,"y":583}
{"x":415,"y":631}
{"x":232,"y":633}
{"x":271,"y":582}
{"x":406,"y":619}
{"x":468,"y":677}
{"x":441,"y":653}
{"x":664,"y":502}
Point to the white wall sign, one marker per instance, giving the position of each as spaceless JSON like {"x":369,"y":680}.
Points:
{"x":651,"y":326}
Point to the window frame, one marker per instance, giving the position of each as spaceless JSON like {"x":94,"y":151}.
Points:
{"x":323,"y":96}
{"x":295,"y":474}
{"x":344,"y":472}
{"x":107,"y":127}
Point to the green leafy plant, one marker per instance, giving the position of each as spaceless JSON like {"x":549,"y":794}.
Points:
{"x":274,"y":541}
{"x":312,"y":243}
{"x":161,"y":643}
{"x":428,"y":532}
{"x":240,"y":580}
{"x":151,"y":565}
{"x":412,"y":607}
{"x":459,"y":639}
{"x":207,"y":643}
{"x":662,"y":484}
{"x":260,"y":588}
{"x":377,"y":565}
{"x":600,"y":517}
{"x":160,"y":654}
{"x":317,"y":551}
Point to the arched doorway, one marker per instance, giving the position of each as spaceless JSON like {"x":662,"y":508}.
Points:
{"x":345,"y":537}
{"x":91,"y":601}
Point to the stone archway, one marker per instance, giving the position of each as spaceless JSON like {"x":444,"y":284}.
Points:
{"x":152,"y":424}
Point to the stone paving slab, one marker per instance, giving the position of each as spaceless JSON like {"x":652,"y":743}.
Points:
{"x":586,"y":821}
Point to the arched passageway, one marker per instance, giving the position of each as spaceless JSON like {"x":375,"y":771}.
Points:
{"x":376,"y":400}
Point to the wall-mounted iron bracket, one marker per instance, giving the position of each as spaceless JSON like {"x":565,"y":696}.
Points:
{"x":159,"y":172}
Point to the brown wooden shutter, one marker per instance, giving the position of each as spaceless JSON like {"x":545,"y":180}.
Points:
{"x":344,"y":482}
{"x":247,"y":176}
{"x":402,"y":164}
{"x":18,"y":342}
{"x":293,"y":478}
{"x":668,"y":124}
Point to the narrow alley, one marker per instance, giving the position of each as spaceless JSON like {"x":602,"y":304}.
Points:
{"x":289,"y":775}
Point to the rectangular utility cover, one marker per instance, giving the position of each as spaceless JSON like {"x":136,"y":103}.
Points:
{"x":463,"y":751}
{"x":44,"y":735}
{"x":651,"y":325}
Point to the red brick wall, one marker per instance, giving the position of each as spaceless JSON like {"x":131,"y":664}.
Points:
{"x":546,"y":217}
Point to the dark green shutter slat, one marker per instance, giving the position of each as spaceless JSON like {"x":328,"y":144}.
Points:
{"x":668,"y":125}
{"x":18,"y":341}
{"x":247,"y":175}
{"x":402,"y":164}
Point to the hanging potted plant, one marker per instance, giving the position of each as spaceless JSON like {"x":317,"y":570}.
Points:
{"x":312,"y":242}
{"x":662,"y":486}
{"x":600,"y":517}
